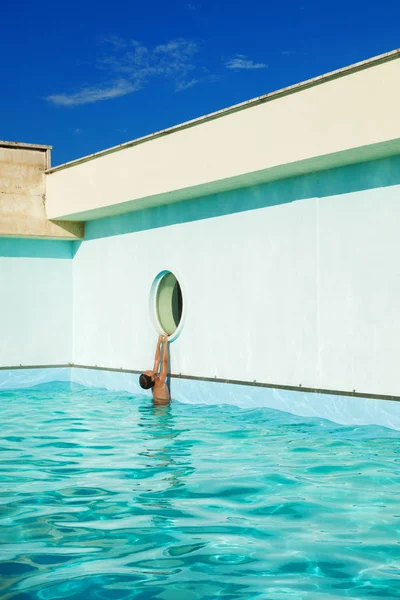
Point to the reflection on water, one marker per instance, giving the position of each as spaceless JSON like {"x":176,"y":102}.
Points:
{"x":107,"y":496}
{"x":168,"y":453}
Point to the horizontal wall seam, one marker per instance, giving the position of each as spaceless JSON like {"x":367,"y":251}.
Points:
{"x":292,"y":388}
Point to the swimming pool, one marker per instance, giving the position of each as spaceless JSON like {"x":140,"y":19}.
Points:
{"x":105,"y":496}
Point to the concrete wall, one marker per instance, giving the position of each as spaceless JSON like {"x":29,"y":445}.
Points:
{"x":35,"y":302}
{"x":333,"y":121}
{"x":294,"y":282}
{"x":23,"y":194}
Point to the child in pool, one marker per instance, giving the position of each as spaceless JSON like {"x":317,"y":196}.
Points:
{"x":155,"y":380}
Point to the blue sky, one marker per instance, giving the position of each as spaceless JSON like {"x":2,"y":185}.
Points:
{"x":85,"y":75}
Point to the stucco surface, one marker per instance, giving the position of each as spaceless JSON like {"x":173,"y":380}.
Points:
{"x":35,"y":302}
{"x":299,"y":286}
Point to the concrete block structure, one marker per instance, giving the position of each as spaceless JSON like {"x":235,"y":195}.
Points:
{"x":23,"y":194}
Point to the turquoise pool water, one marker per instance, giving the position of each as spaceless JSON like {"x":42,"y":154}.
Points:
{"x":104,"y":496}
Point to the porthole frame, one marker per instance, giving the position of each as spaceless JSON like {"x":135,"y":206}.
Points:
{"x":153,"y":304}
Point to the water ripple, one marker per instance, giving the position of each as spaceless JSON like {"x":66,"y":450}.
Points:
{"x":105,"y":496}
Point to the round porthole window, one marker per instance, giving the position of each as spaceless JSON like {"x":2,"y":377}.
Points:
{"x":168,"y":302}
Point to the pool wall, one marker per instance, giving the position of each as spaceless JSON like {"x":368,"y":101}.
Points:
{"x":345,"y":410}
{"x":35,"y":302}
{"x":294,"y":282}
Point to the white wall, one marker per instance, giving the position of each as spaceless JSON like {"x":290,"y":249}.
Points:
{"x":224,"y":304}
{"x":35,"y":303}
{"x":305,"y":292}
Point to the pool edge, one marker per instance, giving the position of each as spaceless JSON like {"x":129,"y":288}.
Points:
{"x":343,"y":408}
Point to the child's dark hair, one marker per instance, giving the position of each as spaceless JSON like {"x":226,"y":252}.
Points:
{"x":145,"y":381}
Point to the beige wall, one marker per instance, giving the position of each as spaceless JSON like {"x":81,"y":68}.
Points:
{"x":23,"y":195}
{"x":351,"y":117}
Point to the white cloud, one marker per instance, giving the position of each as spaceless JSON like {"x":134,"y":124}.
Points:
{"x":240,"y":61}
{"x":129,"y":66}
{"x":93,"y":94}
{"x":191,"y":6}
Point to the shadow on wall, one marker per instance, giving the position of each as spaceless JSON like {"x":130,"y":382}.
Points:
{"x":343,"y":180}
{"x":26,"y":248}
